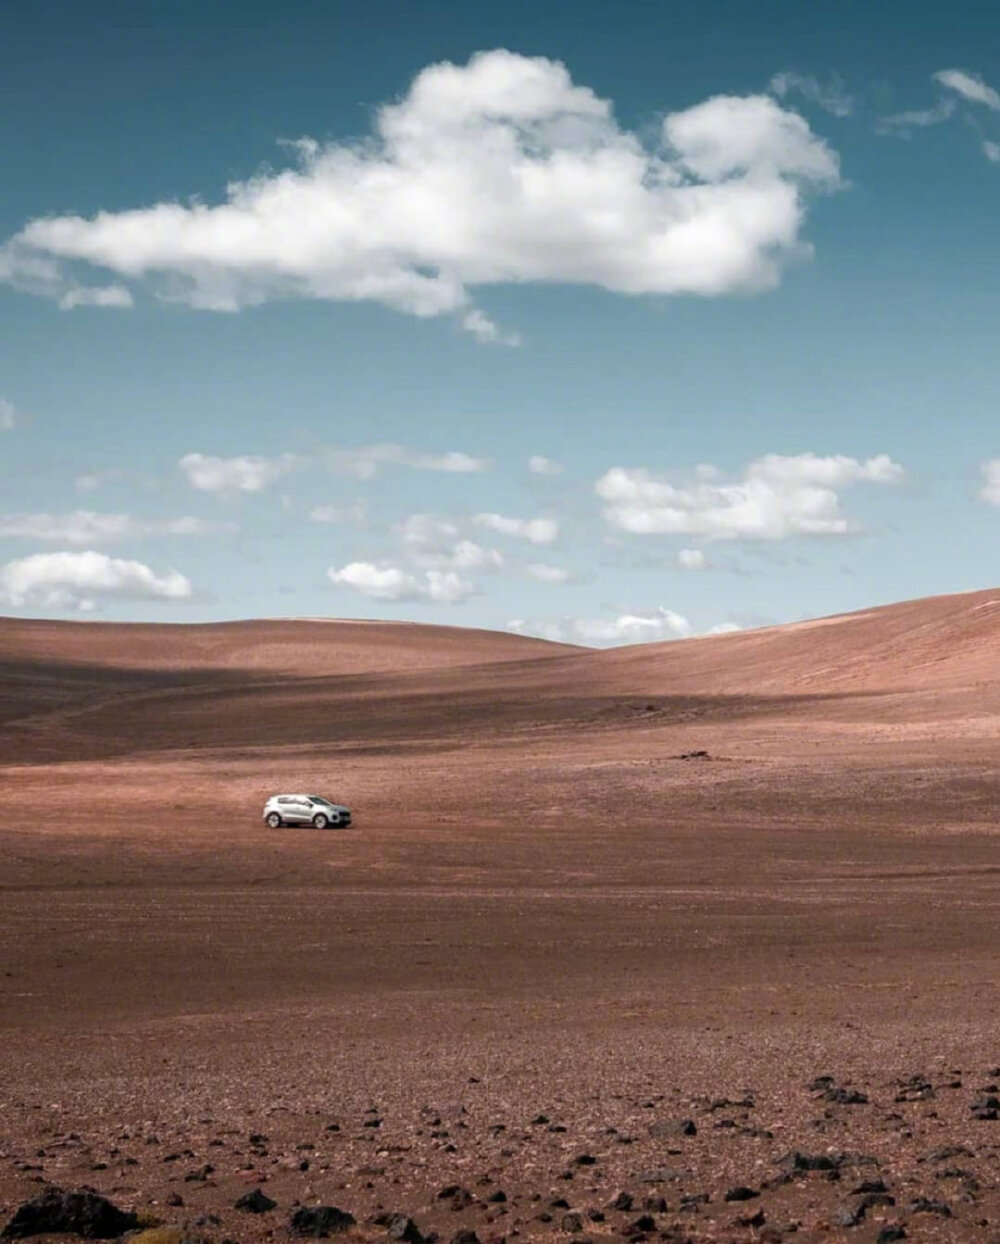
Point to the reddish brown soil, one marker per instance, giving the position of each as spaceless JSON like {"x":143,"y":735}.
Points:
{"x":540,"y":910}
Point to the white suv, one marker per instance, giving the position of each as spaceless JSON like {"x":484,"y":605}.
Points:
{"x":305,"y":810}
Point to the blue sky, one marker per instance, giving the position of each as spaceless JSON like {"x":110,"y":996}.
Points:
{"x":604,"y":322}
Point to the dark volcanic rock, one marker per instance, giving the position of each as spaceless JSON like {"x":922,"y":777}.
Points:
{"x":319,"y":1221}
{"x":255,"y":1202}
{"x":642,"y":1225}
{"x":572,"y":1223}
{"x":465,"y":1237}
{"x":740,"y":1193}
{"x":895,"y":1231}
{"x":69,"y":1213}
{"x":400,"y":1227}
{"x":796,"y":1161}
{"x":923,"y":1205}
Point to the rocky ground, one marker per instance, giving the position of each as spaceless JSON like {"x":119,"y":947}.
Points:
{"x":589,"y":965}
{"x":651,"y":1134}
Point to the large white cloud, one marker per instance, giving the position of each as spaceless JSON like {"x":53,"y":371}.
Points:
{"x":444,"y":587}
{"x":233,"y":475}
{"x":88,"y":527}
{"x":53,"y":580}
{"x":502,"y":170}
{"x":776,"y":497}
{"x":534,"y":530}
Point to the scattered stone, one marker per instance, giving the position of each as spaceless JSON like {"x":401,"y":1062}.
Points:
{"x":70,"y":1213}
{"x":255,"y":1202}
{"x":948,"y":1151}
{"x":924,"y":1205}
{"x":853,"y":1216}
{"x":740,"y":1193}
{"x":660,"y":1175}
{"x":642,"y":1225}
{"x":667,"y":1128}
{"x":572,"y":1223}
{"x":402,"y":1228}
{"x":623,"y":1202}
{"x":457,"y":1196}
{"x":914,"y":1088}
{"x":465,"y":1237}
{"x":895,"y":1231}
{"x":320,"y":1221}
{"x":585,"y":1159}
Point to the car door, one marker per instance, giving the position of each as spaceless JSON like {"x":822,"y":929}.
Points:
{"x":290,"y":807}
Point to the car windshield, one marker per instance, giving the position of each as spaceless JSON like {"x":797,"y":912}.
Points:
{"x":320,"y":799}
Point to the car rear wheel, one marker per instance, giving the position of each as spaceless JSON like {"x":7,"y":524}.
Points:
{"x":274,"y":820}
{"x":321,"y":821}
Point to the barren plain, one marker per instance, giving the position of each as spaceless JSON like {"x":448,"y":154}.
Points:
{"x":688,"y":941}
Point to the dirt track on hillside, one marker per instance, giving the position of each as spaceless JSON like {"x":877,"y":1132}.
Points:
{"x":540,"y":910}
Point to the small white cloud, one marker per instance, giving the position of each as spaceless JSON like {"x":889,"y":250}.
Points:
{"x":87,"y":527}
{"x":969,"y":86}
{"x":777,"y":496}
{"x":8,"y":416}
{"x":545,"y":573}
{"x":691,"y":559}
{"x":486,"y":332}
{"x":724,"y":628}
{"x":56,"y":580}
{"x":540,"y":465}
{"x":991,"y":151}
{"x":355,"y":515}
{"x":426,"y":531}
{"x":990,"y":491}
{"x":901,"y":123}
{"x":831,"y":96}
{"x":366,"y":461}
{"x":463,"y":555}
{"x":435,"y":542}
{"x":393,"y":583}
{"x":626,"y":628}
{"x":96,"y":296}
{"x":234,"y":475}
{"x":535,"y":530}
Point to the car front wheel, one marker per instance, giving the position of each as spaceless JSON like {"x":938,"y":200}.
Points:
{"x":321,"y":821}
{"x":274,"y":820}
